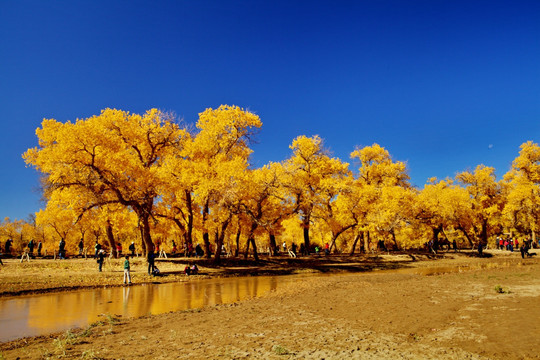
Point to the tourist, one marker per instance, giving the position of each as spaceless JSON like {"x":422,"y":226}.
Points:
{"x":119,"y":249}
{"x":187,"y":270}
{"x":81,"y":246}
{"x":303,"y":249}
{"x":31,"y":247}
{"x":194,"y":269}
{"x":127,"y":276}
{"x":97,"y":248}
{"x":199,"y":251}
{"x":284,"y":247}
{"x":39,"y":247}
{"x":9,"y":244}
{"x":100,"y":259}
{"x":62,"y":249}
{"x":293,"y":247}
{"x":132,"y":248}
{"x":151,"y":262}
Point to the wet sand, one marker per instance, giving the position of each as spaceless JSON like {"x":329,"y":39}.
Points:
{"x":487,"y":309}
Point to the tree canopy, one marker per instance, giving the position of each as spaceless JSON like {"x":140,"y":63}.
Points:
{"x":152,"y":179}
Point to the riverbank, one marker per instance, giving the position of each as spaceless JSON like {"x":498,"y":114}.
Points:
{"x":48,"y":275}
{"x":468,"y":308}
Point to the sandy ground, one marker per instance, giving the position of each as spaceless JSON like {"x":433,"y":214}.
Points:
{"x":444,"y":309}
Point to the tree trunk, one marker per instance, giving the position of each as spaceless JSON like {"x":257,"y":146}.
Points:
{"x":462,"y":229}
{"x":272,"y":241}
{"x":206,"y":237}
{"x":435,"y":238}
{"x":255,"y":255}
{"x":394,"y":239}
{"x":143,"y":244}
{"x":110,"y":237}
{"x":247,"y":248}
{"x":219,"y":241}
{"x":305,"y":225}
{"x":484,"y":234}
{"x":366,"y":241}
{"x":353,"y":247}
{"x":189,"y":232}
{"x":238,"y":233}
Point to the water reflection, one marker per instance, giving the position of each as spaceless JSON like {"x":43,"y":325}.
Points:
{"x":48,"y":313}
{"x":440,"y":270}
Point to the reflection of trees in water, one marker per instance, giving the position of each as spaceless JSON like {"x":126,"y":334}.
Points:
{"x":56,"y":312}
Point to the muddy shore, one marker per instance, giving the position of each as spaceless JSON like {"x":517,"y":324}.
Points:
{"x":486,"y":309}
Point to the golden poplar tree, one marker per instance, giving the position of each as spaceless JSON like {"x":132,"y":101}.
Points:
{"x":384,"y":184}
{"x":307,"y":172}
{"x":487,"y":201}
{"x":111,"y":158}
{"x":219,"y":154}
{"x":522,"y":210}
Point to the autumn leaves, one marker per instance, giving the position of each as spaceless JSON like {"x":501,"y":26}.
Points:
{"x":147,"y":176}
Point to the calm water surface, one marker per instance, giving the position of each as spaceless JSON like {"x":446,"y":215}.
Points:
{"x":41,"y":314}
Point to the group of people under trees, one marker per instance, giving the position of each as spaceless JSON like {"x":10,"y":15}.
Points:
{"x":437,"y":244}
{"x":509,"y":243}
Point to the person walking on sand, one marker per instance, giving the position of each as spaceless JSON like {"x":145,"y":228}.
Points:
{"x":127,"y":276}
{"x":132,"y":248}
{"x":100,"y":259}
{"x":81,"y":247}
{"x":62,"y":249}
{"x":97,"y":247}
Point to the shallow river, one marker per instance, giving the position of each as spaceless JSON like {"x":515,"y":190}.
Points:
{"x":42,"y":314}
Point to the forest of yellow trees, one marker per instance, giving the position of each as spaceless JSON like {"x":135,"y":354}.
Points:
{"x":122,"y":177}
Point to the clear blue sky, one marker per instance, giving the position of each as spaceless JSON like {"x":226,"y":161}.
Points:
{"x":442,"y":85}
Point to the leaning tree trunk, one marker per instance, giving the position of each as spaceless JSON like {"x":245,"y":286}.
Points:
{"x":356,"y":238}
{"x":255,"y":255}
{"x":219,"y":241}
{"x":471,"y":244}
